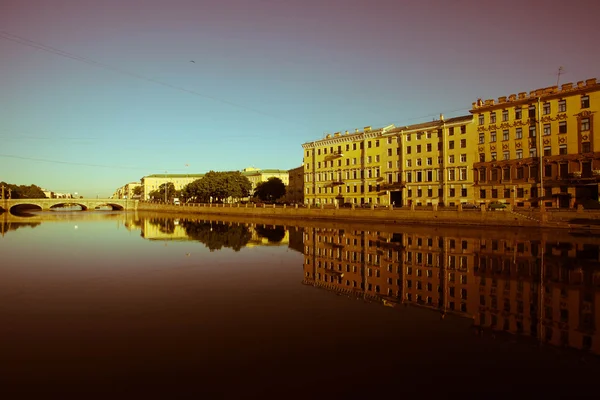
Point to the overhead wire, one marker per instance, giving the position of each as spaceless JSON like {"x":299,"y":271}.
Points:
{"x":27,"y":42}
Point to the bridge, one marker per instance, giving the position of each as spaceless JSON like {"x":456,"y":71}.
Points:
{"x":86,"y":204}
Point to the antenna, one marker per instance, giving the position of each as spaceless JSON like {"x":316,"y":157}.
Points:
{"x":560,"y":71}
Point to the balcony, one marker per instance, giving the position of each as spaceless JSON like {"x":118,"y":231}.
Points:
{"x":393,"y":186}
{"x":337,"y":182}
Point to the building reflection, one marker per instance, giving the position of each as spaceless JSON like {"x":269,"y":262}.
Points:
{"x":541,"y":288}
{"x":216,"y":234}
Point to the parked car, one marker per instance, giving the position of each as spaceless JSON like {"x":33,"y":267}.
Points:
{"x":496,"y":205}
{"x":470,"y":206}
{"x":346,"y":205}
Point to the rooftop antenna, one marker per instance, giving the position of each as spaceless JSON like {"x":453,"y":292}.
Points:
{"x":560,"y":71}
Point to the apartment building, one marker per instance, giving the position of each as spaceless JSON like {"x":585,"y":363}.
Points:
{"x":539,"y":148}
{"x":421,"y":164}
{"x":179,"y":181}
{"x":349,"y":168}
{"x":436,"y":161}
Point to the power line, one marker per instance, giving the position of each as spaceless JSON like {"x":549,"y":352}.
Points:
{"x":72,"y":163}
{"x":27,"y":42}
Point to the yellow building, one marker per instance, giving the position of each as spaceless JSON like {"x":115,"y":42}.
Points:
{"x":257,"y":175}
{"x":437,"y":159}
{"x":126,"y":191}
{"x":348,"y":168}
{"x":179,"y":181}
{"x":429,"y":163}
{"x":552,"y":127}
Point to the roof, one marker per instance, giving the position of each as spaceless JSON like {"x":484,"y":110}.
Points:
{"x":174,"y":176}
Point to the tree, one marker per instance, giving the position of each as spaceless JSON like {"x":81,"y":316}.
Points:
{"x":159,"y":194}
{"x":218,"y":186}
{"x":270,"y":190}
{"x":23,"y":191}
{"x":138,"y":190}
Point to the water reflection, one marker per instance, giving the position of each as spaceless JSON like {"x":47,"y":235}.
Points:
{"x":6,"y":226}
{"x":215,"y":235}
{"x":543,"y":288}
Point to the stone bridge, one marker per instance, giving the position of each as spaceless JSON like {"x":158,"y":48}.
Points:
{"x":86,"y":204}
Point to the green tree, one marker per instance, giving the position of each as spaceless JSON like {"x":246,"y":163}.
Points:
{"x":159,"y":194}
{"x":271,"y":190}
{"x":218,"y":186}
{"x":138,"y":190}
{"x":23,"y":191}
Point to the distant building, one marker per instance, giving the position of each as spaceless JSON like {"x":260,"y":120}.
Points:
{"x":153,"y":182}
{"x":127,"y":191}
{"x":256,"y":175}
{"x":295,"y":189}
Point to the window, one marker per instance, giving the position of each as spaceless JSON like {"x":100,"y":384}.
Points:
{"x":462,"y":174}
{"x":463,"y":158}
{"x":369,"y":159}
{"x":494,"y":193}
{"x":409,"y":163}
{"x":506,"y":155}
{"x":418,"y":162}
{"x":562,"y":149}
{"x":547,"y":151}
{"x":520,"y":172}
{"x":353,"y":146}
{"x":546,"y":129}
{"x":451,"y":145}
{"x":463,"y":192}
{"x":463,"y":143}
{"x":493,"y":154}
{"x":546,"y":108}
{"x":318,"y":164}
{"x":519,"y":154}
{"x":377,"y":143}
{"x":506,"y":173}
{"x":429,"y":161}
{"x":451,"y":131}
{"x":585,"y":147}
{"x":532,"y":131}
{"x":533,"y":152}
{"x":492,"y":118}
{"x":463,"y":129}
{"x":481,"y":138}
{"x":492,"y":137}
{"x":481,"y":157}
{"x":389,"y":152}
{"x":418,"y":148}
{"x":519,"y":133}
{"x":562,"y":127}
{"x":548,"y":170}
{"x":585,"y":101}
{"x":481,"y":119}
{"x":482,"y":174}
{"x":408,"y":137}
{"x":428,"y":135}
{"x":408,"y":150}
{"x":494,"y":172}
{"x":562,"y":106}
{"x":369,"y":144}
{"x":451,"y":159}
{"x":377,"y":158}
{"x":389,"y":164}
{"x":532,"y":111}
{"x":451,"y":174}
{"x":585,"y":124}
{"x":504,"y":115}
{"x":428,"y":146}
{"x":505,"y":134}
{"x":482,"y":193}
{"x":518,"y":113}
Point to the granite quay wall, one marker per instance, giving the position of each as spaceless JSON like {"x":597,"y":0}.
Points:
{"x":506,"y":217}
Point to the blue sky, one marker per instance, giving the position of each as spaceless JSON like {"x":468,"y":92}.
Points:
{"x":96,"y":94}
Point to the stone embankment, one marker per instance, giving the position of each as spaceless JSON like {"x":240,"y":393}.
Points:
{"x":431,"y":216}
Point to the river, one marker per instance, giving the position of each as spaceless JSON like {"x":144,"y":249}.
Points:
{"x":132,"y":305}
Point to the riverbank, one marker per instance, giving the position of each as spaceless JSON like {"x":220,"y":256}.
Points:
{"x":565,"y":219}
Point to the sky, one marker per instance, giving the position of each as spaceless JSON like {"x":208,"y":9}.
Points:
{"x":96,"y":94}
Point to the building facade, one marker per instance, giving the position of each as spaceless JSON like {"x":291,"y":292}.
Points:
{"x":295,"y":189}
{"x":539,"y":148}
{"x":421,"y":164}
{"x":257,"y":175}
{"x":127,"y":191}
{"x":179,"y":181}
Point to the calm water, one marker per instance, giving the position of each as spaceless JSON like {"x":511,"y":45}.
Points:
{"x":122,"y":305}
